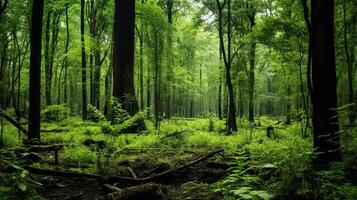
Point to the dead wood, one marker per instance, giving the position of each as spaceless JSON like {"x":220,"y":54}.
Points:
{"x":147,"y":191}
{"x":132,"y":173}
{"x":217,"y":165}
{"x":121,"y":179}
{"x":112,"y":188}
{"x":75,"y":196}
{"x":13,"y":121}
{"x":174,"y":134}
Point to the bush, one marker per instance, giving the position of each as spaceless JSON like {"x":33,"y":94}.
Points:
{"x":55,"y":113}
{"x":95,"y":115}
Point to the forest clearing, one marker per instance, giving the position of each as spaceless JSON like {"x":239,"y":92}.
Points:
{"x":178,"y":99}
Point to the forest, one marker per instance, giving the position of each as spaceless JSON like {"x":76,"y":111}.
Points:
{"x":178,"y":99}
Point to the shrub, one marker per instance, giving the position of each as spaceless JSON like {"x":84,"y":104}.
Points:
{"x":55,"y":112}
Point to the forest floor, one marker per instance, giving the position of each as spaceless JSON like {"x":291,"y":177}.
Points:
{"x":202,"y":163}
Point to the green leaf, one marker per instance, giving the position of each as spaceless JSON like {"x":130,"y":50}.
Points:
{"x":4,"y":189}
{"x":22,"y":186}
{"x":270,"y":166}
{"x":262,"y":194}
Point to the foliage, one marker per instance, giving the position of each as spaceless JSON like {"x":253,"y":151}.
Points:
{"x":270,"y":169}
{"x":55,"y":112}
{"x":94,"y":114}
{"x":18,"y":185}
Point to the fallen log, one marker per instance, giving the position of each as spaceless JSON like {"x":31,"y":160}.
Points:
{"x":147,"y":191}
{"x":174,"y":134}
{"x":120,"y":179}
{"x":13,"y":122}
{"x":55,"y":130}
{"x":112,"y":188}
{"x":199,"y":159}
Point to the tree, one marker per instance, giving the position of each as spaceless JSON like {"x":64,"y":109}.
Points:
{"x":123,"y":57}
{"x":251,"y":17}
{"x":35,"y":70}
{"x":3,"y":5}
{"x":227,"y":58}
{"x":324,"y":94}
{"x":84,"y":70}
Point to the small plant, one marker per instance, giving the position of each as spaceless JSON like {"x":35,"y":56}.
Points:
{"x":18,"y":185}
{"x":95,"y":115}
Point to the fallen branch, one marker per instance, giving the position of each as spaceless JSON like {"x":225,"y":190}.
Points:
{"x":13,"y":122}
{"x":55,"y":130}
{"x":147,"y":191}
{"x":163,"y":174}
{"x":174,"y":134}
{"x":122,"y":179}
{"x":132,"y":173}
{"x":112,"y":188}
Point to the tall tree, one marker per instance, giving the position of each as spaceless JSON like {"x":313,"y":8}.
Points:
{"x":84,"y":70}
{"x":123,"y":57}
{"x":323,"y":94}
{"x":227,"y":58}
{"x":251,"y":17}
{"x":35,"y":70}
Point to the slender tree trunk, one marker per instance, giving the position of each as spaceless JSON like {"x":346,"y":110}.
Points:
{"x":231,"y":115}
{"x":220,"y":84}
{"x":169,"y":6}
{"x":141,"y":67}
{"x":148,"y":94}
{"x":156,"y":89}
{"x":324,"y":95}
{"x":35,"y":70}
{"x":48,"y":71}
{"x":288,"y":105}
{"x":84,"y":70}
{"x":66,"y":56}
{"x":251,"y":71}
{"x":349,"y":59}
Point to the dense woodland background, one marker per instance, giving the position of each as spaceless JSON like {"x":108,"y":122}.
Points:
{"x":270,"y":82}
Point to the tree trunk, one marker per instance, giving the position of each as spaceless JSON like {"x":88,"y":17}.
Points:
{"x":48,"y":71}
{"x":157,"y":86}
{"x":251,"y":70}
{"x":169,"y":6}
{"x":324,"y":95}
{"x":231,"y":112}
{"x":84,"y":70}
{"x":35,"y":70}
{"x":288,"y":105}
{"x":123,"y":57}
{"x":66,"y":56}
{"x":220,"y":85}
{"x":350,"y":62}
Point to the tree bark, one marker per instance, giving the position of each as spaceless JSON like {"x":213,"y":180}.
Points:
{"x":227,"y":57}
{"x":123,"y":57}
{"x":84,"y":70}
{"x":350,"y":62}
{"x":35,"y":70}
{"x":66,"y":56}
{"x":324,"y":96}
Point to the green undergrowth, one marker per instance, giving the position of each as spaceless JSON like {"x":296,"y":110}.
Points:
{"x":262,"y":168}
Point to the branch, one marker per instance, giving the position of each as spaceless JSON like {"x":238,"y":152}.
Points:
{"x":13,"y":122}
